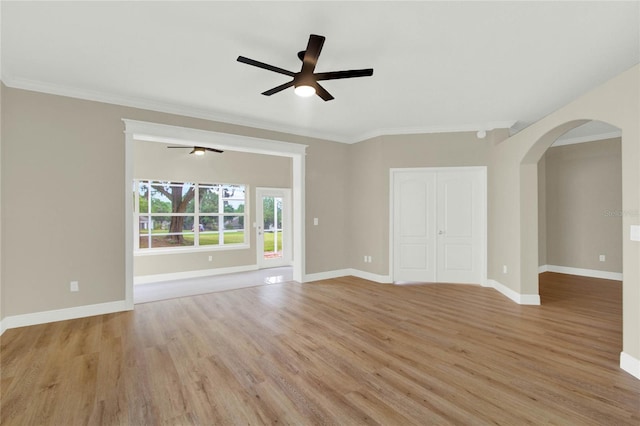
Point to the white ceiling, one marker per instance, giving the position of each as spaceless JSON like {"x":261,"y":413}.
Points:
{"x":438,"y":66}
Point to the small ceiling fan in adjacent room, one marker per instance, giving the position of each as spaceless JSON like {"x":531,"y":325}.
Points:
{"x":198,"y":150}
{"x":305,"y":81}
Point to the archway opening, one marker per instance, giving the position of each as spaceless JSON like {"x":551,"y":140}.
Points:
{"x":577,"y":169}
{"x":580,"y":203}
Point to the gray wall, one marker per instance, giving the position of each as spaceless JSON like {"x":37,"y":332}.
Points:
{"x":62,"y":210}
{"x":583,"y":205}
{"x":2,"y":88}
{"x":326,"y":198}
{"x":369,"y":178}
{"x":77,"y":147}
{"x":542,"y":211}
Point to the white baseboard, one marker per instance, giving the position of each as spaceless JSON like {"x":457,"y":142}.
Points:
{"x":146,"y":279}
{"x":521,"y":299}
{"x":593,"y":273}
{"x":24,"y":320}
{"x":383,"y":279}
{"x":326,"y":275}
{"x":630,"y":364}
{"x":2,"y":327}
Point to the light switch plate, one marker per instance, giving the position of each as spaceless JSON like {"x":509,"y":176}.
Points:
{"x":635,"y":232}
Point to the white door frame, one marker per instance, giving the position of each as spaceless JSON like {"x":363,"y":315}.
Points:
{"x":164,"y":133}
{"x":285,"y":194}
{"x":392,"y":175}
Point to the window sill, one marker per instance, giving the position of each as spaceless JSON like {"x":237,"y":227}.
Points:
{"x":185,"y":250}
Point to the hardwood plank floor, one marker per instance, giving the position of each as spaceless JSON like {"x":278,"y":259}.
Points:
{"x":343,"y":351}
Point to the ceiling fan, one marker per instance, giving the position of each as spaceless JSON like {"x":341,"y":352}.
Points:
{"x":306,"y":80}
{"x":198,"y":150}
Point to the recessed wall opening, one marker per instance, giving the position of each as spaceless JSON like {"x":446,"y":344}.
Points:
{"x":217,"y":229}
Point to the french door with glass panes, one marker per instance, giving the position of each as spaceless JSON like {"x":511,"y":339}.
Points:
{"x":273,"y":227}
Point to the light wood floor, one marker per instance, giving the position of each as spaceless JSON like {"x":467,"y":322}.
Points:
{"x":343,"y":351}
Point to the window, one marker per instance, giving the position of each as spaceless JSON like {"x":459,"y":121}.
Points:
{"x":183,"y":215}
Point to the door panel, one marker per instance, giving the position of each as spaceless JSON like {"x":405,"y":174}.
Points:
{"x":457,"y":257}
{"x":414,"y":224}
{"x":460,"y":213}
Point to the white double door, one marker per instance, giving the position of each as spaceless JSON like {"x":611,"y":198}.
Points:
{"x":439,"y":225}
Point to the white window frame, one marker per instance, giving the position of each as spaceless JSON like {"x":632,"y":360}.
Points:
{"x":196,"y":247}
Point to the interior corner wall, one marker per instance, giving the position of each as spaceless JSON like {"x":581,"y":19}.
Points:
{"x":584,"y":205}
{"x":371,"y":162}
{"x":327,"y":199}
{"x":155,"y":162}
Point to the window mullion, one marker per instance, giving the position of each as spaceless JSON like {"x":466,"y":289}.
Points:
{"x":221,"y":200}
{"x":150,"y":233}
{"x":136,"y":209}
{"x":196,"y":215}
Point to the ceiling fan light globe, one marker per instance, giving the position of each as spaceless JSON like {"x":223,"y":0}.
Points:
{"x":304,"y":91}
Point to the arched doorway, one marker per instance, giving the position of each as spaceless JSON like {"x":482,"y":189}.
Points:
{"x":529,"y":192}
{"x":513,"y":199}
{"x":580,"y":203}
{"x":528,"y":225}
{"x":580,"y":228}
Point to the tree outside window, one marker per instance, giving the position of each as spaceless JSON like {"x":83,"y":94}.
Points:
{"x":185,"y":214}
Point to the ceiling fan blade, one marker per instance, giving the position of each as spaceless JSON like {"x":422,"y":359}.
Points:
{"x":322,"y":92}
{"x":197,"y":148}
{"x":335,"y":75}
{"x":265,"y":66}
{"x":311,"y":54}
{"x":278,"y":88}
{"x":215,"y":150}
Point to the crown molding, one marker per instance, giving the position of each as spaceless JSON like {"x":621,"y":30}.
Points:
{"x":474,"y":127}
{"x":187,"y":111}
{"x":164,"y":107}
{"x":589,"y":138}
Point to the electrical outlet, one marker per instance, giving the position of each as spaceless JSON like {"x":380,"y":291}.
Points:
{"x":315,"y":221}
{"x":210,"y":258}
{"x":369,"y":259}
{"x":365,"y":258}
{"x":73,"y":286}
{"x":602,"y":258}
{"x":504,"y":269}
